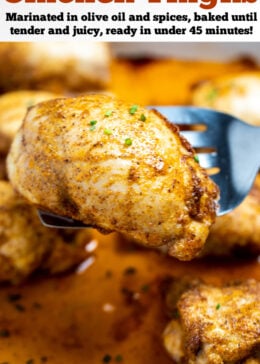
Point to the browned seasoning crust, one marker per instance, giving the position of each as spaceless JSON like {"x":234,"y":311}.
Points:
{"x":93,"y":158}
{"x":3,"y":173}
{"x":216,"y":325}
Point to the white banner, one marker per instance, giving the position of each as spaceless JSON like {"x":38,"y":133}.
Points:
{"x":130,"y":20}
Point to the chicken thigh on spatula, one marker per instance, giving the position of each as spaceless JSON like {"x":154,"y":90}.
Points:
{"x":116,"y":167}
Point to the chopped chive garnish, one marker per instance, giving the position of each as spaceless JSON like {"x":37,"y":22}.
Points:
{"x":30,"y":361}
{"x":196,"y":158}
{"x":175,"y":314}
{"x":133,"y":109}
{"x":145,"y":288}
{"x":107,"y":131}
{"x":108,"y":113}
{"x":128,"y":141}
{"x":218,"y":306}
{"x":212,"y":94}
{"x":92,"y":124}
{"x":107,"y":358}
{"x":142,"y":117}
{"x":118,"y":358}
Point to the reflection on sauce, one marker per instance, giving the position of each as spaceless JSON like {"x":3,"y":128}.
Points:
{"x":113,"y":311}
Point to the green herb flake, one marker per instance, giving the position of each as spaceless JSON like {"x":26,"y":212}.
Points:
{"x":4,"y":333}
{"x":128,"y":142}
{"x":133,"y":109}
{"x":175,"y":314}
{"x":196,"y":158}
{"x":145,"y":288}
{"x":218,"y":306}
{"x":213,"y":93}
{"x":107,"y":358}
{"x":118,"y":358}
{"x":92,"y":124}
{"x":142,"y":117}
{"x":107,"y":131}
{"x":108,"y":113}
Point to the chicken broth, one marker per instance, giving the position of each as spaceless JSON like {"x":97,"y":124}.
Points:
{"x":111,"y":308}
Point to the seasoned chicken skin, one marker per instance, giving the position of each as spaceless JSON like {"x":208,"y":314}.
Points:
{"x":27,"y":246}
{"x":117,"y":167}
{"x":13,"y":107}
{"x":216,"y":325}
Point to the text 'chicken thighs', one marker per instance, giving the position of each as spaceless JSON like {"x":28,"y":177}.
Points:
{"x":117,"y":167}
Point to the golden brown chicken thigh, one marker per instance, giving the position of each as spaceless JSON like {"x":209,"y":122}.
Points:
{"x":235,"y":94}
{"x":26,"y":245}
{"x":216,"y":325}
{"x":238,"y":232}
{"x":117,"y":167}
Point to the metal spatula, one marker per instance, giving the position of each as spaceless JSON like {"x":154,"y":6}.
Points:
{"x":226,"y":146}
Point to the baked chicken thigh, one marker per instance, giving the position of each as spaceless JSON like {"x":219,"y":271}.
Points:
{"x":27,"y":246}
{"x":117,"y":167}
{"x":238,"y":232}
{"x":216,"y":325}
{"x":235,"y":94}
